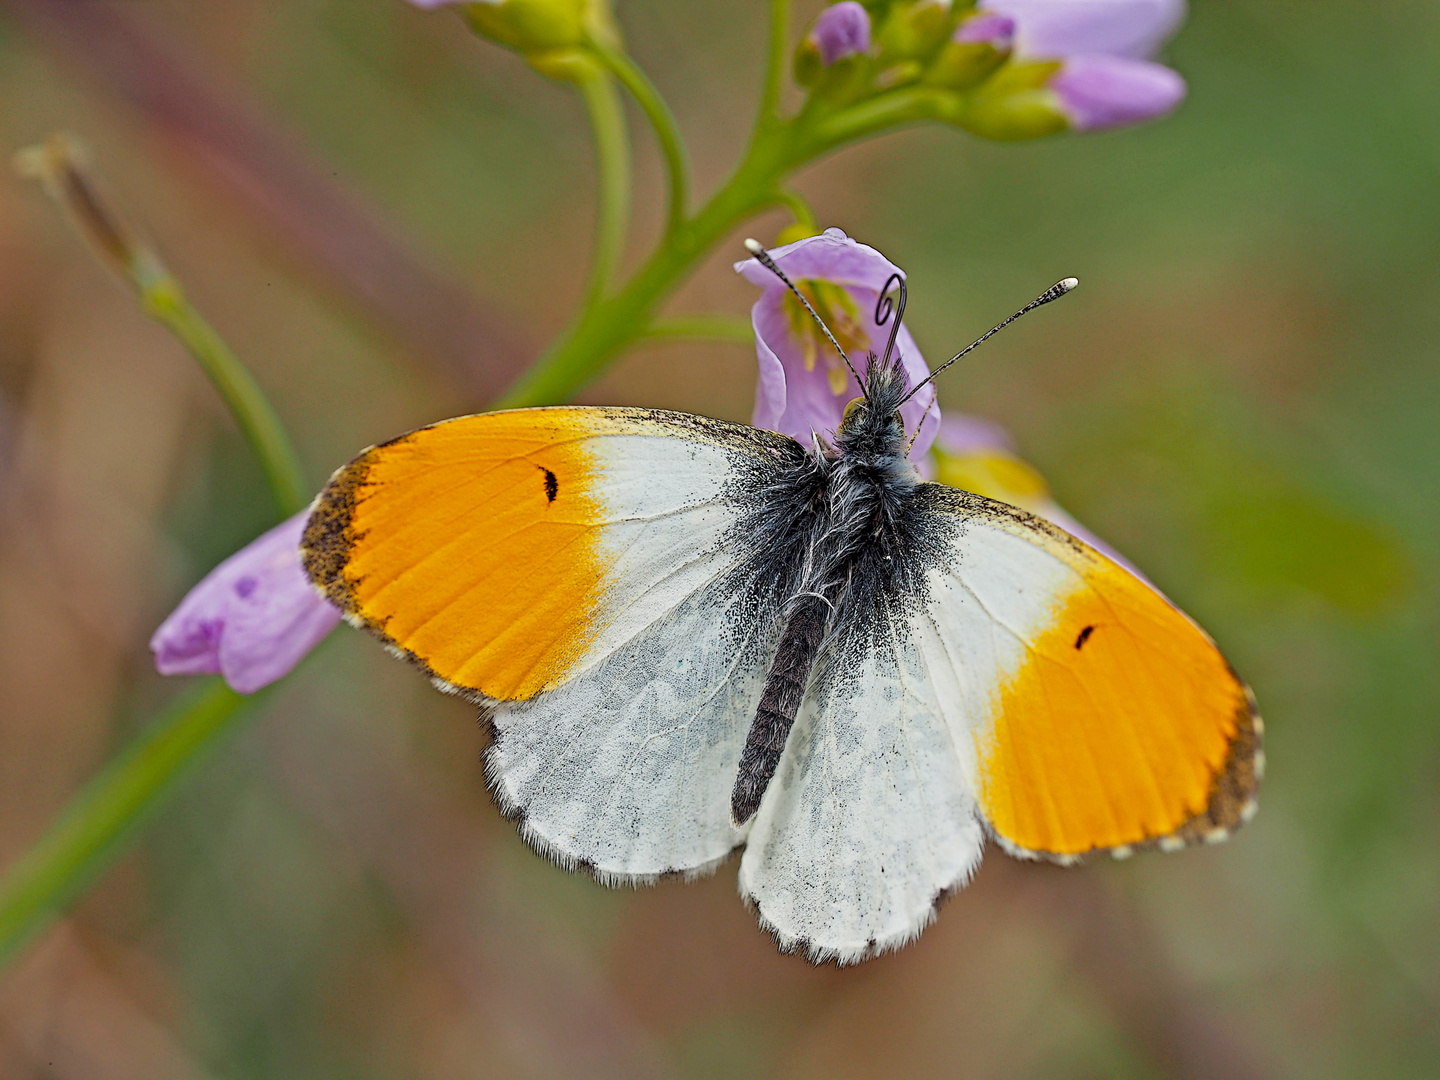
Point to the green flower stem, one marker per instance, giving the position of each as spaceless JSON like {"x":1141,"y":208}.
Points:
{"x":608,"y":326}
{"x":96,"y":823}
{"x":667,"y":132}
{"x":164,"y":300}
{"x":61,"y":165}
{"x":777,"y":56}
{"x":729,"y":328}
{"x":799,"y":207}
{"x":612,"y":155}
{"x":90,"y":834}
{"x":824,"y":130}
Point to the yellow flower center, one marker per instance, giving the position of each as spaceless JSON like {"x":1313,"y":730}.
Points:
{"x":994,"y":474}
{"x":835,"y":305}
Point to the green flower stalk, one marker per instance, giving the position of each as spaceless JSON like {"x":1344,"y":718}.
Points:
{"x":61,"y":165}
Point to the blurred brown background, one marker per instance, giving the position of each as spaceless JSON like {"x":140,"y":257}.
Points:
{"x":380,"y":213}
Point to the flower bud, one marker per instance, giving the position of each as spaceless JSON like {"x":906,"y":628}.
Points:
{"x":251,"y":619}
{"x":1017,"y":103}
{"x":551,"y":34}
{"x":841,"y":32}
{"x":1082,"y":66}
{"x":913,"y":31}
{"x":529,"y":25}
{"x":1099,"y":92}
{"x":977,"y":48}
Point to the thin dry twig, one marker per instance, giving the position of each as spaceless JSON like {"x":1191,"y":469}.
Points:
{"x":277,"y":182}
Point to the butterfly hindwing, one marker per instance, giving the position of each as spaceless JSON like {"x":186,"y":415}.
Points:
{"x":870,"y":817}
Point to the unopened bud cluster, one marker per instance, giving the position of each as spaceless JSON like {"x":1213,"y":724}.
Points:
{"x":551,"y":34}
{"x":1017,"y":69}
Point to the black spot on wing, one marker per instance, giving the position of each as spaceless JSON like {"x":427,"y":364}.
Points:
{"x":1084,"y":637}
{"x":552,"y":484}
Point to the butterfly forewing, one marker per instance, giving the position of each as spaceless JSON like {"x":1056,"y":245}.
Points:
{"x":1099,"y":716}
{"x":583,"y":573}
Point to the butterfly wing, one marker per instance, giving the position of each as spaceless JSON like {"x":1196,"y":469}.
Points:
{"x":871,"y":814}
{"x":1018,"y":684}
{"x":1101,"y":717}
{"x":583,"y":574}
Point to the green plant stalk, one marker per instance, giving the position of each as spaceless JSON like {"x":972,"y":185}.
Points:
{"x":91,"y":831}
{"x":612,"y":156}
{"x":61,"y":165}
{"x":608,"y":326}
{"x":667,"y":132}
{"x":776,"y":58}
{"x":728,"y":328}
{"x":799,"y":207}
{"x":165,"y":301}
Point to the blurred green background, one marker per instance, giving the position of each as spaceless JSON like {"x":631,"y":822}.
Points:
{"x":387,"y":219}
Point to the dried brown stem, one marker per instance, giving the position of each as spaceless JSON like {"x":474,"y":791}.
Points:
{"x":236,"y":148}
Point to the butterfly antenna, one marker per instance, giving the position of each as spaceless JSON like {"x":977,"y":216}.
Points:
{"x":757,"y":249}
{"x":883,"y":308}
{"x":1059,"y":289}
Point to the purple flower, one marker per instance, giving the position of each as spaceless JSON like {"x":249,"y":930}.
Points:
{"x":986,"y":28}
{"x":1110,"y":91}
{"x":1061,"y":28}
{"x":803,"y":384}
{"x":979,"y":455}
{"x":251,"y":619}
{"x":841,"y":30}
{"x":1105,"y":78}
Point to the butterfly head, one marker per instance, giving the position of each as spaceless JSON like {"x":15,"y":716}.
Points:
{"x":872,"y":425}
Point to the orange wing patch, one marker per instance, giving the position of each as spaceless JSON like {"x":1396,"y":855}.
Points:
{"x":1123,"y":727}
{"x":481,"y":561}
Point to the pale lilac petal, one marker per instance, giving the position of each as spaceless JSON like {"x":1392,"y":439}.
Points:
{"x":251,"y":619}
{"x":788,"y":398}
{"x":1060,"y":28}
{"x":796,"y":401}
{"x":986,"y":28}
{"x":841,"y":30}
{"x":831,"y":256}
{"x":961,"y":433}
{"x":768,"y":322}
{"x":1109,"y":91}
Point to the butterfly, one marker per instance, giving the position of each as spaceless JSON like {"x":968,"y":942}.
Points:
{"x":689,"y":636}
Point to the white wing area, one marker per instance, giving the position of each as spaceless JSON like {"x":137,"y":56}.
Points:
{"x":870,"y":817}
{"x":987,"y":602}
{"x":626,"y":767}
{"x":873,"y":816}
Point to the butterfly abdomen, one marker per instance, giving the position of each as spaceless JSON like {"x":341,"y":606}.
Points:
{"x":779,"y":702}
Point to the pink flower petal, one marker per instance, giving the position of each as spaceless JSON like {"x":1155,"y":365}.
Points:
{"x":796,"y":401}
{"x":251,"y":619}
{"x":841,"y":30}
{"x":1060,"y":28}
{"x":1110,"y":91}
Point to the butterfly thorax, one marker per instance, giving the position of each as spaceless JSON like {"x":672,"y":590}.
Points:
{"x":841,"y":523}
